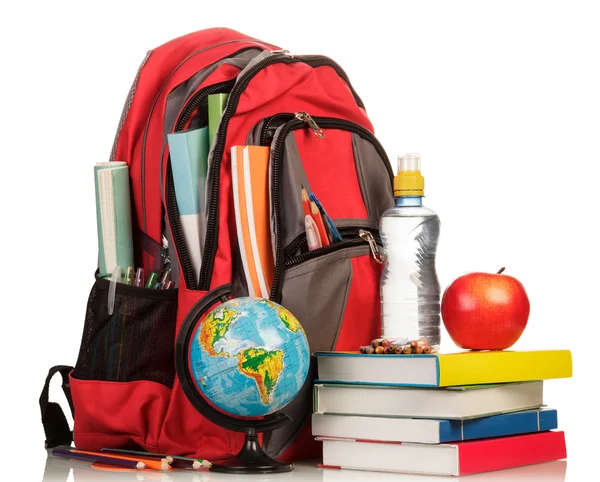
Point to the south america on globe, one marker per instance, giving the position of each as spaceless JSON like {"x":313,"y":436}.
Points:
{"x":249,"y":357}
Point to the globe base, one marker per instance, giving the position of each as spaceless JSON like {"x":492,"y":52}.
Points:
{"x":251,"y":460}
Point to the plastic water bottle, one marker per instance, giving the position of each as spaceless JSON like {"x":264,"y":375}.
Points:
{"x":410,"y":290}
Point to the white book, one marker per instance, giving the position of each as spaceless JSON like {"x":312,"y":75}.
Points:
{"x":461,"y":458}
{"x":451,"y":403}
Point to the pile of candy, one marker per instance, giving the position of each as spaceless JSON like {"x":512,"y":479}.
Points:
{"x":384,"y":346}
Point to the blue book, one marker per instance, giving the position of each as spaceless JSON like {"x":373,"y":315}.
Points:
{"x":189,"y":164}
{"x":412,"y":430}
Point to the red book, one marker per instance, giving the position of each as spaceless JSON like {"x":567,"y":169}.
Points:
{"x":461,"y":458}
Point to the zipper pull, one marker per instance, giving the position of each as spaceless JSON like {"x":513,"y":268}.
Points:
{"x":164,"y":251}
{"x":305,"y":117}
{"x":368,"y":237}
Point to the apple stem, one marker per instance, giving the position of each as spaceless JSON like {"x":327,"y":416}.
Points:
{"x":501,"y":270}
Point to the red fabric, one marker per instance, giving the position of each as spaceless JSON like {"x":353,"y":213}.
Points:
{"x":506,"y":452}
{"x":185,"y":431}
{"x":361,"y":321}
{"x":330,"y":158}
{"x":117,"y":414}
{"x":141,"y":137}
{"x":149,"y":414}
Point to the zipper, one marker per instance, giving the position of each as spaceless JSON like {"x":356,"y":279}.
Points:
{"x":210,"y":245}
{"x":364,"y":236}
{"x":194,"y":101}
{"x":268,"y":123}
{"x":300,"y":240}
{"x":276,"y":157}
{"x":188,"y":110}
{"x":257,"y":45}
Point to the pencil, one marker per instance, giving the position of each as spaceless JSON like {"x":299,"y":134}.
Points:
{"x":337,"y":237}
{"x":316,"y":215}
{"x":130,"y":453}
{"x":148,"y":463}
{"x":174,"y":461}
{"x":305,"y":201}
{"x":103,"y":459}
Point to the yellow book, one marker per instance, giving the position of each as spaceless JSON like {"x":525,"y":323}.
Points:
{"x":444,"y":370}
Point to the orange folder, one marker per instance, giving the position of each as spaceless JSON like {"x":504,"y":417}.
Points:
{"x":250,"y":173}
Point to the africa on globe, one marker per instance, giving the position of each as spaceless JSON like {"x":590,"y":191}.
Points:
{"x":249,"y":357}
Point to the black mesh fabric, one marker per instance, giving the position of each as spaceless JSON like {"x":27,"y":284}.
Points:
{"x":136,"y":342}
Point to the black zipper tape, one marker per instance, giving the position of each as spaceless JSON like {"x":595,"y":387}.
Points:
{"x":212,"y":222}
{"x":332,"y":248}
{"x":190,"y":277}
{"x":350,"y":233}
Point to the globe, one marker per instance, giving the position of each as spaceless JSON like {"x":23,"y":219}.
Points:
{"x":249,"y":357}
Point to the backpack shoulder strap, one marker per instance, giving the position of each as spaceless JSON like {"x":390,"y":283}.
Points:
{"x":54,"y":421}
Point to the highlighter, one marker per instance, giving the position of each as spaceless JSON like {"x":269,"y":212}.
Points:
{"x":313,"y":238}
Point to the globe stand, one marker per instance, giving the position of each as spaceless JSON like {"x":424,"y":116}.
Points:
{"x":251,"y":460}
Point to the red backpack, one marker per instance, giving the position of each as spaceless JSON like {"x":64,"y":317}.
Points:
{"x":123,"y":389}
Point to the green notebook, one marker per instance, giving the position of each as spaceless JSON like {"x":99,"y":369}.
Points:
{"x":113,"y":214}
{"x":216,"y":106}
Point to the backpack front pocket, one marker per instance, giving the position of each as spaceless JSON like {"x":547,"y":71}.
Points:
{"x":122,"y":382}
{"x":335,"y":296}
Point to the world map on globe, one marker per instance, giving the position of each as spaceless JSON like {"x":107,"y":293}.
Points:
{"x":249,"y":357}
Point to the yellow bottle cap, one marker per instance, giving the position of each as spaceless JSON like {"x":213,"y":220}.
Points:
{"x":409,"y":181}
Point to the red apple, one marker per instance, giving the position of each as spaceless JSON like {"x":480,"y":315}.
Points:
{"x":485,"y":311}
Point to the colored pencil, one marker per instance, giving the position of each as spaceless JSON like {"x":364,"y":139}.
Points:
{"x":102,"y":459}
{"x":337,"y":237}
{"x":149,"y":463}
{"x":130,"y":453}
{"x":174,"y":461}
{"x":316,"y":215}
{"x":305,"y":202}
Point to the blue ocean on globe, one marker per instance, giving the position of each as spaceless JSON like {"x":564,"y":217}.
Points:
{"x":249,"y":357}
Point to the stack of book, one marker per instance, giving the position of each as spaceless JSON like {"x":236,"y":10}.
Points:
{"x":442,"y":414}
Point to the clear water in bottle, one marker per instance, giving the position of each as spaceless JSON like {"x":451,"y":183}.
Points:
{"x":410,"y":290}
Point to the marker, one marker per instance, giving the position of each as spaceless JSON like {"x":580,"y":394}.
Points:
{"x":139,"y":277}
{"x":165,"y":276}
{"x":152,"y":280}
{"x":168,"y":285}
{"x":129,"y":276}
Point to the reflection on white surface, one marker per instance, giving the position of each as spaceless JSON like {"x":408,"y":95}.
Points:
{"x":63,"y":470}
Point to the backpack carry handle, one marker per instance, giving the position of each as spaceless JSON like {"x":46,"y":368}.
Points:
{"x":54,"y":421}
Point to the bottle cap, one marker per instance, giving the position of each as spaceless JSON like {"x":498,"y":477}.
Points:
{"x":409,"y":181}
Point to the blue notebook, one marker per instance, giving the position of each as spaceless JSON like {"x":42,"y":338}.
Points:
{"x":411,"y":430}
{"x":189,"y":164}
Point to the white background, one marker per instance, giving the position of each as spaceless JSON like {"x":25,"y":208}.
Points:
{"x":501,"y":99}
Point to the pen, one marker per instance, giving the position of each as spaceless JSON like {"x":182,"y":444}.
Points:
{"x":335,"y":234}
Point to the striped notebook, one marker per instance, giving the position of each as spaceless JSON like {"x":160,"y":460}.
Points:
{"x":250,"y":173}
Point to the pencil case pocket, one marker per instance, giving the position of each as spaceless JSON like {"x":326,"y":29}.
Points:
{"x":133,"y":343}
{"x":340,"y":161}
